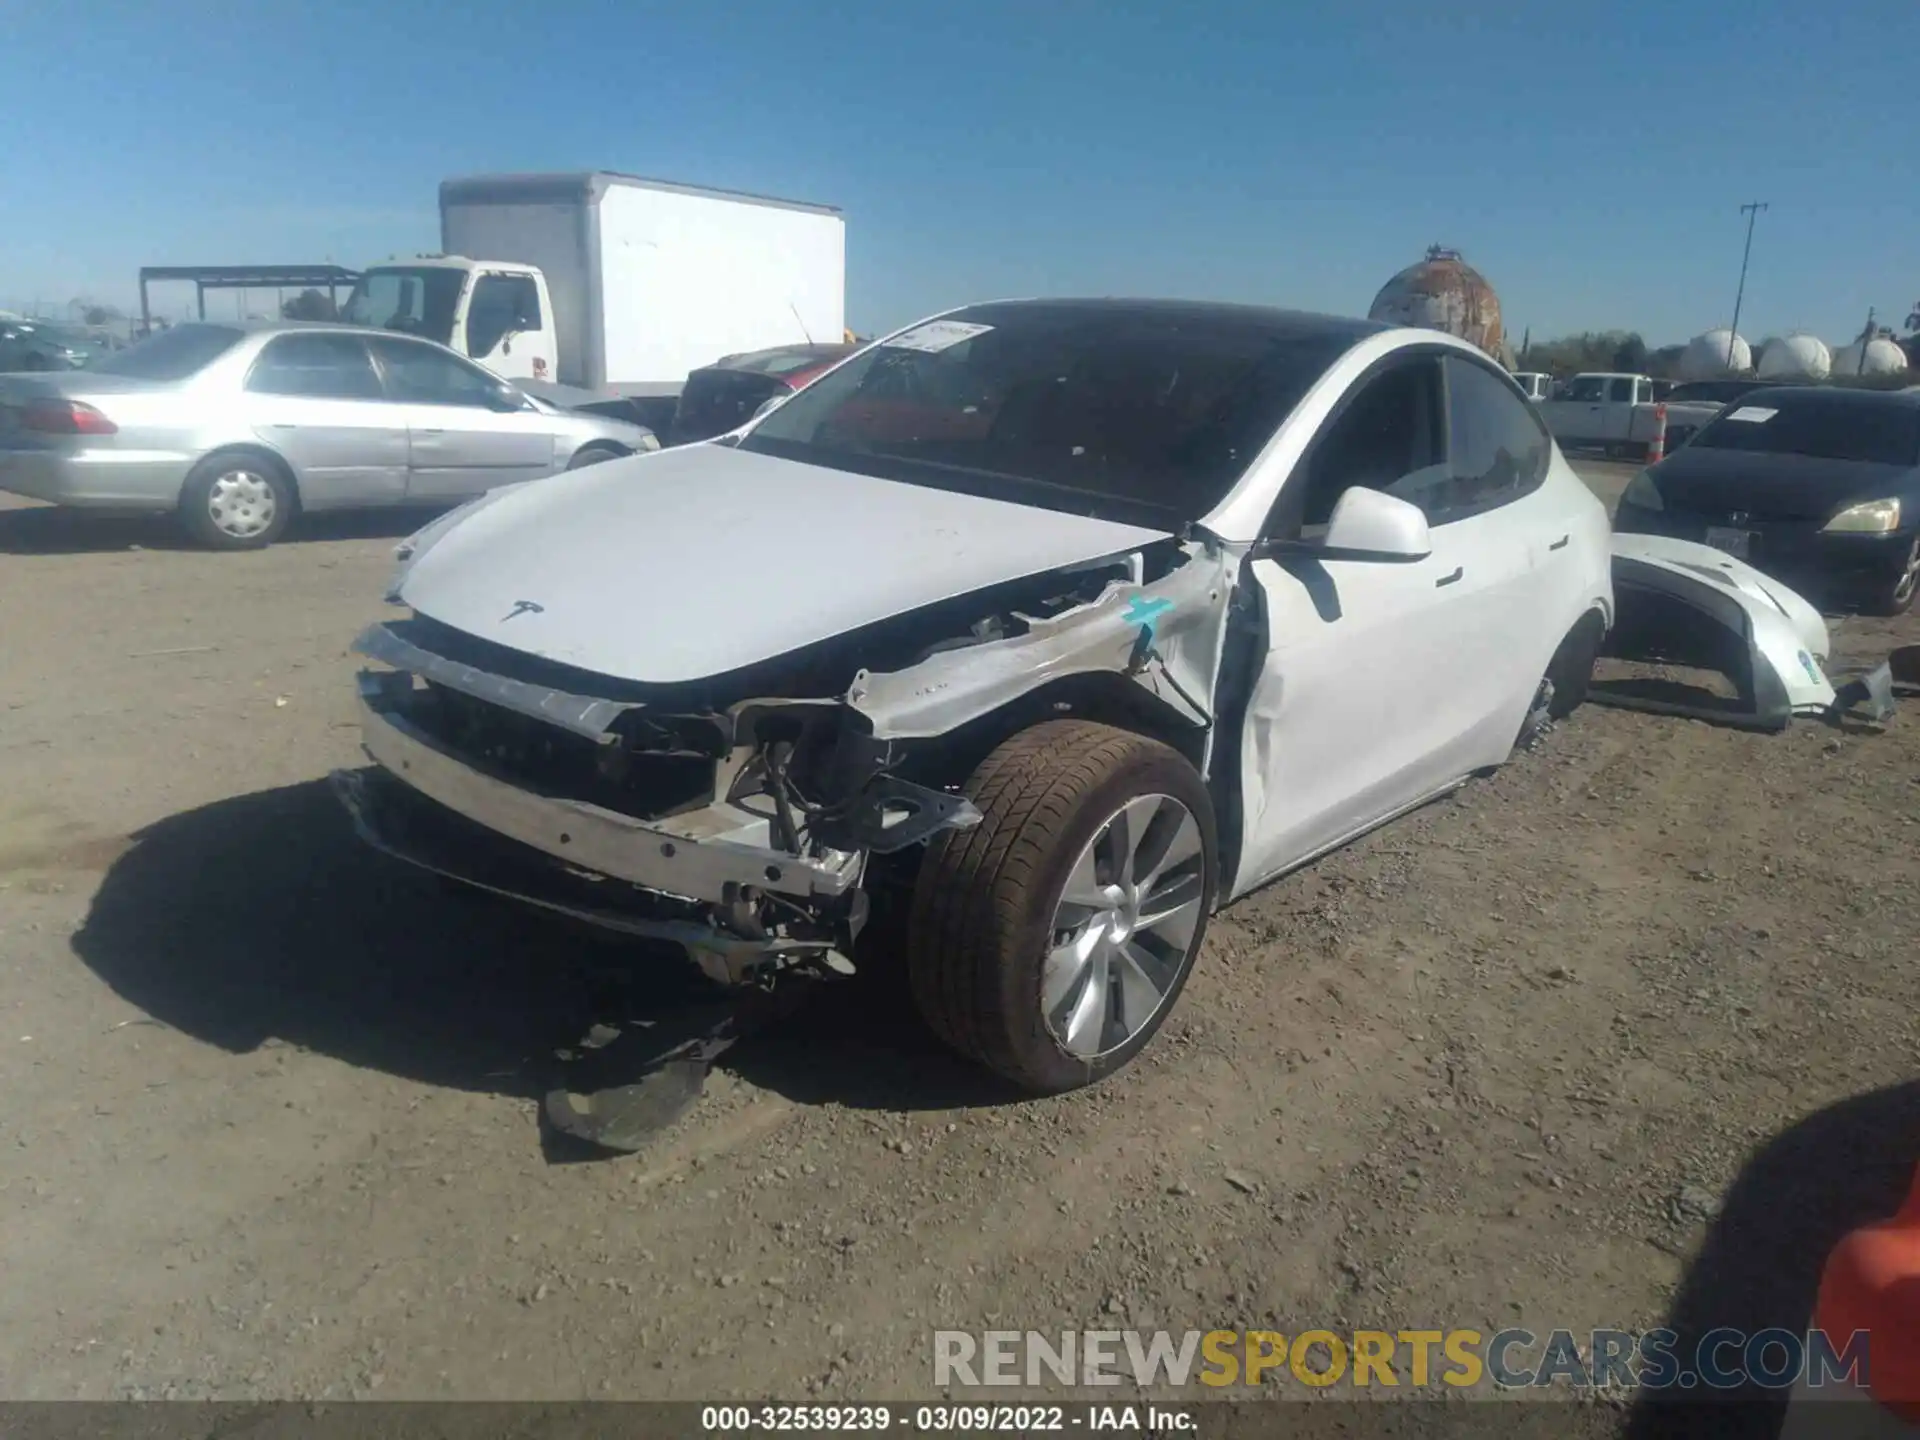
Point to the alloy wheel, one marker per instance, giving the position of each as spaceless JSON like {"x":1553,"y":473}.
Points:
{"x":1123,"y":926}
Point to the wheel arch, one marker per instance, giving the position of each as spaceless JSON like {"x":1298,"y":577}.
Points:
{"x":1102,"y":696}
{"x":266,"y":454}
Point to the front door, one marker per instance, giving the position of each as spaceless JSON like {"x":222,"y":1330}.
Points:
{"x":505,"y":329}
{"x":461,"y":441}
{"x":315,"y":399}
{"x":1348,"y":718}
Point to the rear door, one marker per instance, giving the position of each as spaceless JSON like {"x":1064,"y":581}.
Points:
{"x":1528,"y":531}
{"x":461,"y":437}
{"x":1617,"y":415}
{"x":315,"y":399}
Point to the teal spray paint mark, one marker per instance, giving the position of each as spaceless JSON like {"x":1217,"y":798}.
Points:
{"x":1146,"y":613}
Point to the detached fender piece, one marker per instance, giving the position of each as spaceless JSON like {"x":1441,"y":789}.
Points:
{"x":1685,"y":604}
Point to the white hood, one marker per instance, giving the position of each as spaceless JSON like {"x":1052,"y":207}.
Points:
{"x":694,"y":562}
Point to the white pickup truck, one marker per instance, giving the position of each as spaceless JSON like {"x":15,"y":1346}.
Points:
{"x":1614,"y":412}
{"x":601,"y":292}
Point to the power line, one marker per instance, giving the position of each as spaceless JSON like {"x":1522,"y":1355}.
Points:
{"x":1752,"y":211}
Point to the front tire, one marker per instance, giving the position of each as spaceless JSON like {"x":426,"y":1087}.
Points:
{"x":1895,"y":595}
{"x":237,"y":501}
{"x":1050,"y":942}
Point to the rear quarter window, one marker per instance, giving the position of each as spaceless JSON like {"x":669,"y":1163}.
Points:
{"x":171,"y":354}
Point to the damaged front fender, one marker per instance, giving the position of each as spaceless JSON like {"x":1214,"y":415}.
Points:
{"x":1164,"y":635}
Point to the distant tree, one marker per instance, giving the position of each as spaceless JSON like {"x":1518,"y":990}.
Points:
{"x":97,"y":315}
{"x":1631,"y":355}
{"x":310,"y":305}
{"x":1664,"y":363}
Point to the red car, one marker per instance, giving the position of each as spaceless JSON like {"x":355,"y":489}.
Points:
{"x":725,"y":394}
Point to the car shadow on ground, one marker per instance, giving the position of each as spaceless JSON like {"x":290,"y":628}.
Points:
{"x":1759,"y":1266}
{"x":58,"y":530}
{"x":264,"y":916}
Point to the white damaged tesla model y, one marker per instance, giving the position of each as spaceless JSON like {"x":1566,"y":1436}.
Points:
{"x":1022,"y":638}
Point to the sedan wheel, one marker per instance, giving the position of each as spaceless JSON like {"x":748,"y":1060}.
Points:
{"x":1051,"y":941}
{"x":241,"y":504}
{"x":1896,"y":595}
{"x":236,"y":502}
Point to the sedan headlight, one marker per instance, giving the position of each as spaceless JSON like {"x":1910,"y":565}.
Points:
{"x":1871,"y":517}
{"x":1642,"y":493}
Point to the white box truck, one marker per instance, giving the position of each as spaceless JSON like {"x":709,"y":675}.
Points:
{"x":602,"y":291}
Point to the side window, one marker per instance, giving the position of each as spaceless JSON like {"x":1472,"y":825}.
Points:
{"x":502,"y":305}
{"x":1620,"y":389}
{"x":422,"y":375}
{"x":1497,"y":449}
{"x":1387,"y":438}
{"x":319,"y":367}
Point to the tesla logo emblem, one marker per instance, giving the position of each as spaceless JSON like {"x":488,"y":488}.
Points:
{"x":523,"y":607}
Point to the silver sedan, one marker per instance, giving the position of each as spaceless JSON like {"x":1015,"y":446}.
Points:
{"x":237,"y":427}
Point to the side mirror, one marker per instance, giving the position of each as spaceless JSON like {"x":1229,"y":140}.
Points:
{"x":1372,"y":525}
{"x":1366,"y":525}
{"x":506,"y":400}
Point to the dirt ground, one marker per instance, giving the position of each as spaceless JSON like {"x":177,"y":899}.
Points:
{"x":1621,"y":1036}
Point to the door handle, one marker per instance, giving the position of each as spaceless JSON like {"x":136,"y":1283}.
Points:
{"x":282,"y":425}
{"x":1561,"y":543}
{"x":429,"y":432}
{"x":1458,"y":571}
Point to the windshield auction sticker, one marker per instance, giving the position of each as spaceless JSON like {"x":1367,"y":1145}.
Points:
{"x":1755,"y":414}
{"x":936,"y":335}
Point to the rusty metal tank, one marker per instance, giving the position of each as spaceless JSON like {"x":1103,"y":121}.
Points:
{"x":1443,"y":292}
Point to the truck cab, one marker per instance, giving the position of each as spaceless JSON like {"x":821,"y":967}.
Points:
{"x":496,"y":313}
{"x":1596,"y":408}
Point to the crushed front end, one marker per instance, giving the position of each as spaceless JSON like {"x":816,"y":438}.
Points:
{"x":739,"y":833}
{"x":752,"y":819}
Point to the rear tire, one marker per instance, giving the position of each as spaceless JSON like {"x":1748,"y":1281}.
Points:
{"x":592,"y":455}
{"x":1571,"y":669}
{"x":237,"y":501}
{"x":1007,"y":964}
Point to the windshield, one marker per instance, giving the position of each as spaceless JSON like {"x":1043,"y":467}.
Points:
{"x":785,"y":362}
{"x":1824,"y":427}
{"x":170,"y":354}
{"x":1137,"y":413}
{"x":416,"y":301}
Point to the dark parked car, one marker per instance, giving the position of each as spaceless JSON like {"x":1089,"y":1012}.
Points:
{"x":723,"y":395}
{"x":1716,"y":392}
{"x":37,"y":345}
{"x":1802,"y":482}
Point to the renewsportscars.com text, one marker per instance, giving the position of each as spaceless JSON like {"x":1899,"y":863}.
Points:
{"x":1508,"y":1359}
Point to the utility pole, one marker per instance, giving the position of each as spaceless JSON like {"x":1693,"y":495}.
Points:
{"x":1752,"y":212}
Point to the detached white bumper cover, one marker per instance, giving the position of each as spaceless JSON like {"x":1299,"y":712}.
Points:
{"x":1691,"y":605}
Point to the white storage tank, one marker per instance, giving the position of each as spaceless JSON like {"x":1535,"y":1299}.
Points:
{"x":1798,"y":356}
{"x":1879,"y":356}
{"x":1714,"y":355}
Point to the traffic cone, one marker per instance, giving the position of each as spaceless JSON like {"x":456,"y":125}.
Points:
{"x":1657,"y":447}
{"x":1871,"y":1283}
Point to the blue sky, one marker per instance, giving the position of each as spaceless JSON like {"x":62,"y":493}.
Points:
{"x":1590,"y":162}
